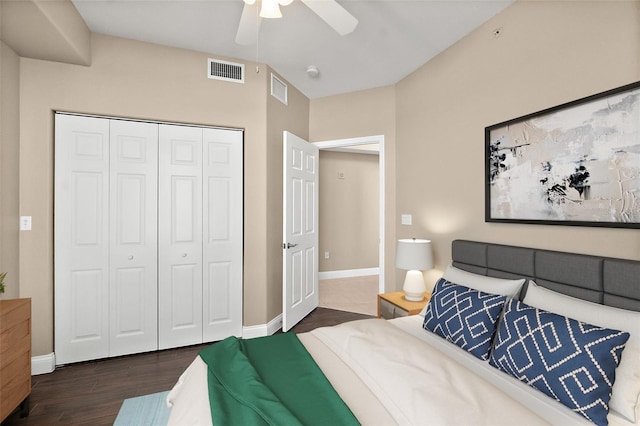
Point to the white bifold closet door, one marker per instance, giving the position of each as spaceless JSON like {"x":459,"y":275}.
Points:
{"x":133,"y":224}
{"x":105,"y":238}
{"x":148,"y":236}
{"x":180,"y":236}
{"x":200,"y":235}
{"x":222,"y":231}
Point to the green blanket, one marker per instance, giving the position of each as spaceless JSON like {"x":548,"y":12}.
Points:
{"x":270,"y":381}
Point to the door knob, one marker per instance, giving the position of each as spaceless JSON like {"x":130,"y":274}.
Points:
{"x":184,"y":254}
{"x":130,"y":258}
{"x":288,"y":245}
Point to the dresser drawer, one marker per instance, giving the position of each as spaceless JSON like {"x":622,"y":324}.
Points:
{"x":14,"y":340}
{"x":16,"y":382}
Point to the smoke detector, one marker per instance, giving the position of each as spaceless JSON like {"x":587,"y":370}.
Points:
{"x":313,"y":71}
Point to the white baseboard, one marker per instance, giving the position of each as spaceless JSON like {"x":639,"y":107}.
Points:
{"x":43,"y":364}
{"x":348,"y":273}
{"x":262,"y":330}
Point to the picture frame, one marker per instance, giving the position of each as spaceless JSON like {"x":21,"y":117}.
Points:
{"x":573,"y":164}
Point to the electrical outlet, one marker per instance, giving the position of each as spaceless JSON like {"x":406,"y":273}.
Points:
{"x":406,"y":219}
{"x":326,"y":254}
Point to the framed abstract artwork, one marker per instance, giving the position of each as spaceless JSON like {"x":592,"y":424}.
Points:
{"x":573,"y":164}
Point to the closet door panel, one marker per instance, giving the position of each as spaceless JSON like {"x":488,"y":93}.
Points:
{"x":180,"y":236}
{"x":148,"y":236}
{"x":185,"y":291}
{"x":81,"y":240}
{"x":222,"y":233}
{"x":133,"y":237}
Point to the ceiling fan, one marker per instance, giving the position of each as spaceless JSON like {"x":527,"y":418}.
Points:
{"x":329,"y":11}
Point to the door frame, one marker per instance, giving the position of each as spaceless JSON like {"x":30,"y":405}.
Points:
{"x":345,"y":145}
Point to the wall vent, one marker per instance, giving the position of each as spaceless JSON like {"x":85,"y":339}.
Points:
{"x":278,"y":89}
{"x":227,"y":71}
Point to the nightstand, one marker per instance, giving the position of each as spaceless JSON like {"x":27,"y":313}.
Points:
{"x":394,"y":305}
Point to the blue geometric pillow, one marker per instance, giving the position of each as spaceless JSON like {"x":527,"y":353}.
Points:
{"x":464,"y":316}
{"x":570,"y":361}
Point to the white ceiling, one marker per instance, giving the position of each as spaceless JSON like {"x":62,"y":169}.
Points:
{"x":393,"y":37}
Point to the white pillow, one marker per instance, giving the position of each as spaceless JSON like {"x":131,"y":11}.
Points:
{"x":510,"y":288}
{"x":503,"y":287}
{"x":626,"y":388}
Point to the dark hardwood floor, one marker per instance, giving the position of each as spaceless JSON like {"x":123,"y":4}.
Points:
{"x":91,"y":393}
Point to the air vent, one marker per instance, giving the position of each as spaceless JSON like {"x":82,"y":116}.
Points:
{"x":278,"y":89}
{"x":227,"y":71}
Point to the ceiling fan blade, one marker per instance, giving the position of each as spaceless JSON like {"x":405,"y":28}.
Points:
{"x":333,"y":14}
{"x":249,"y":25}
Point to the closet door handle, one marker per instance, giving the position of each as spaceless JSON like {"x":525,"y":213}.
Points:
{"x":130,"y":257}
{"x":184,"y":254}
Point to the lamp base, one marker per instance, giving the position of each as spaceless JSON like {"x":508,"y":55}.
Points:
{"x":413,"y":286}
{"x":414,"y":298}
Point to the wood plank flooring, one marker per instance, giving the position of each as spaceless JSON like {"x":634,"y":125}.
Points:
{"x":91,"y":393}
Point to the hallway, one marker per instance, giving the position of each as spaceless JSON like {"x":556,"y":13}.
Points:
{"x":356,"y":294}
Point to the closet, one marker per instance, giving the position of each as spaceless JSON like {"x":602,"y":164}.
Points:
{"x":147,"y":236}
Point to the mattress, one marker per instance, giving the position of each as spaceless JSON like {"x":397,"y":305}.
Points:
{"x":394,"y":372}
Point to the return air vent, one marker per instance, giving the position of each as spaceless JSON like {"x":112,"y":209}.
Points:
{"x":227,"y":71}
{"x":278,"y":89}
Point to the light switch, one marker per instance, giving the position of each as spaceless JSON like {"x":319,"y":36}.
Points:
{"x":25,"y":223}
{"x":406,"y":219}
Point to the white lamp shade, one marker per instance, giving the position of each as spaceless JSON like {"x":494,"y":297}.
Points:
{"x":414,"y":254}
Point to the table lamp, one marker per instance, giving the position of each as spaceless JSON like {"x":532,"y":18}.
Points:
{"x":414,"y":256}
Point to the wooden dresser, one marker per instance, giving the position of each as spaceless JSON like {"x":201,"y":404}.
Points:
{"x":15,"y":356}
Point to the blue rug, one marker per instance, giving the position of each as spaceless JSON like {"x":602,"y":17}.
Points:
{"x":147,"y":410}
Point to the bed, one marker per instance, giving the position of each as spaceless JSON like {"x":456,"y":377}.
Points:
{"x":398,"y":372}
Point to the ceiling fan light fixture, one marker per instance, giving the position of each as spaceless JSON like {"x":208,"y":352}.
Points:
{"x":270,"y":9}
{"x":250,"y":2}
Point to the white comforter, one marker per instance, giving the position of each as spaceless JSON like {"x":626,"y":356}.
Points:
{"x":415,"y":382}
{"x":393,"y":372}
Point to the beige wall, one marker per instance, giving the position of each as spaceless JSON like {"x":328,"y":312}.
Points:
{"x":293,"y":117}
{"x":349,"y":205}
{"x":9,"y":154}
{"x":145,"y":81}
{"x":432,"y":121}
{"x":364,"y":113}
{"x":549,"y":53}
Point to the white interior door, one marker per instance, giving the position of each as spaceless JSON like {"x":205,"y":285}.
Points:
{"x":300,"y":229}
{"x":179,"y":236}
{"x":222,"y":229}
{"x":81,"y":241}
{"x":133,"y":261}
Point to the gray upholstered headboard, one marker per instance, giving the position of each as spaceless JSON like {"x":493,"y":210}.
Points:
{"x":604,"y":280}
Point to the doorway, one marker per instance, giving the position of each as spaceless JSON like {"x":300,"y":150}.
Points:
{"x":367,"y":280}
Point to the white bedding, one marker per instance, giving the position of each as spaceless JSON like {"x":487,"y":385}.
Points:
{"x":388,"y":376}
{"x":417,"y":383}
